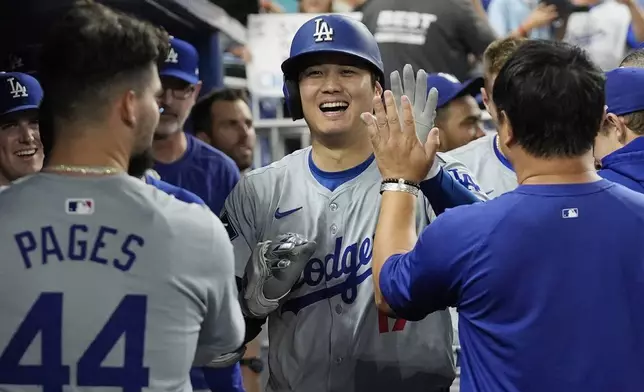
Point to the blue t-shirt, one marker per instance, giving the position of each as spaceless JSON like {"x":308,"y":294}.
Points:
{"x":548,"y":281}
{"x":217,"y":380}
{"x":204,"y":171}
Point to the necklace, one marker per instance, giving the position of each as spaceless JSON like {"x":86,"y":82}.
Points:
{"x":498,"y":145}
{"x":85,"y":169}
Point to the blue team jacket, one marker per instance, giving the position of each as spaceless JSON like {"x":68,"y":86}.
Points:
{"x":626,"y":165}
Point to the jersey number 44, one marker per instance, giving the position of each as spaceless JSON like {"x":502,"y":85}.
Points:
{"x":46,"y":318}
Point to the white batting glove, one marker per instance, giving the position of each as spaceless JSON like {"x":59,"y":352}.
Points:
{"x":415,"y":88}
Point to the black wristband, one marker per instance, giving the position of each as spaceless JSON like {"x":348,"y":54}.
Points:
{"x":255,"y":364}
{"x":400,"y":181}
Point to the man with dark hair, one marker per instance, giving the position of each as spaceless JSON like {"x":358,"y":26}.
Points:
{"x":542,"y":306}
{"x":485,"y":157}
{"x":619,"y":146}
{"x":182,"y":159}
{"x":457,"y":113}
{"x":21,"y":152}
{"x":107,"y":266}
{"x":223,"y":119}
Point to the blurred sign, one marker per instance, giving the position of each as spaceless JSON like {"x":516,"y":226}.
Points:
{"x":269,"y":43}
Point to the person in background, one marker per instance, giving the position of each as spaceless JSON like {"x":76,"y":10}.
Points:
{"x":485,"y":157}
{"x":437,"y":35}
{"x":607,"y":30}
{"x":522,"y":18}
{"x":223,"y":120}
{"x":315,"y":6}
{"x":182,"y":159}
{"x":21,"y":151}
{"x":619,"y":146}
{"x":458,"y":115}
{"x":526,"y":270}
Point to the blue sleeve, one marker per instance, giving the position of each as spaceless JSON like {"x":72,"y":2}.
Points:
{"x":222,"y":183}
{"x":630,"y":38}
{"x":189,"y":197}
{"x":443,"y":192}
{"x":428,"y":278}
{"x":223,"y":379}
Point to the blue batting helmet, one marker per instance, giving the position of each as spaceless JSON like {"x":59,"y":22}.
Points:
{"x":328,"y":34}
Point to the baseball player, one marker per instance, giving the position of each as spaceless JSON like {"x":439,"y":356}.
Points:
{"x":121,"y":285}
{"x":619,"y":146}
{"x":527,"y":270}
{"x":314,"y":284}
{"x":485,"y":157}
{"x":20,"y":148}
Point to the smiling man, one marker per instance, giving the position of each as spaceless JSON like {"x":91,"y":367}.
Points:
{"x":20,"y":148}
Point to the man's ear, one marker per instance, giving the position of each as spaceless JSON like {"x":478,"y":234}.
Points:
{"x":195,"y":94}
{"x":618,"y":126}
{"x":504,"y":122}
{"x":485,"y":99}
{"x":203,"y":136}
{"x":128,"y":108}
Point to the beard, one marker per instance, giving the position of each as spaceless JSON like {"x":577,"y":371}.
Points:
{"x":140,"y":163}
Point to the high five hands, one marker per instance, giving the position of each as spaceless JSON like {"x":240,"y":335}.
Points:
{"x":397,"y":130}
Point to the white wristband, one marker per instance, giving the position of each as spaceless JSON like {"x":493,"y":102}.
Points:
{"x":398,"y":187}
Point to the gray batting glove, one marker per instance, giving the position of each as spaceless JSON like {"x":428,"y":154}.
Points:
{"x":415,"y":89}
{"x":274,"y":267}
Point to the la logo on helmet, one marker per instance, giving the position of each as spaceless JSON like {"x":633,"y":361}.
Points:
{"x":323,"y":33}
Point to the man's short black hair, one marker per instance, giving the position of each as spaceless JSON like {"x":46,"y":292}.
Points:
{"x":553,"y":96}
{"x":201,"y":114}
{"x":90,"y":52}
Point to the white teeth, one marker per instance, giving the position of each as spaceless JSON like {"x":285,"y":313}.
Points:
{"x":24,"y":153}
{"x":334,"y":105}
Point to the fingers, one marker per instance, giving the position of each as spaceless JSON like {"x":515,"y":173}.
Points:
{"x":408,"y":124}
{"x":408,"y":80}
{"x":430,"y":105}
{"x":390,"y":116}
{"x":421,"y":91}
{"x":396,"y":86}
{"x":433,"y":142}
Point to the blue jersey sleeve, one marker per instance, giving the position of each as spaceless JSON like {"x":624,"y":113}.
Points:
{"x":428,"y":278}
{"x":443,"y":192}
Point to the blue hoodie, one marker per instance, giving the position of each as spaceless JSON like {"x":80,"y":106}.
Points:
{"x":626,"y":165}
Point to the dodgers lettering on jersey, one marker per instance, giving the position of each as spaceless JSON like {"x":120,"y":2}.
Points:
{"x":120,"y":286}
{"x":333,"y":301}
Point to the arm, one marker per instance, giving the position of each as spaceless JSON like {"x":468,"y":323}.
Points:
{"x":445,"y":191}
{"x":222,"y":330}
{"x":424,"y":278}
{"x":636,"y":29}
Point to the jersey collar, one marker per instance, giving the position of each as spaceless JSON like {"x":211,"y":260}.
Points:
{"x":500,"y":155}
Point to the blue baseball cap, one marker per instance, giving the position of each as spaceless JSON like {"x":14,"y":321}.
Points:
{"x":450,"y":88}
{"x":625,"y":90}
{"x":182,"y":62}
{"x":18,"y":92}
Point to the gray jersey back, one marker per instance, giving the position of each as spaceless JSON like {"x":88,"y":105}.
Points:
{"x":329,"y":335}
{"x":100,"y":273}
{"x":482,"y":159}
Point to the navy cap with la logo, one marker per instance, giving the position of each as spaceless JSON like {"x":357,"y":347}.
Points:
{"x":182,"y":62}
{"x":18,"y":92}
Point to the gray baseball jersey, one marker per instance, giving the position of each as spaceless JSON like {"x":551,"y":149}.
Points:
{"x":107,"y":284}
{"x":328,"y":335}
{"x":490,"y":168}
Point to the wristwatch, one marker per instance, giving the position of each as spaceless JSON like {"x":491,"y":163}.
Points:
{"x":255,"y":364}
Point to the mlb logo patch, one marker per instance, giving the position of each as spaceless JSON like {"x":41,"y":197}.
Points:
{"x":79,"y":206}
{"x":568,"y":213}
